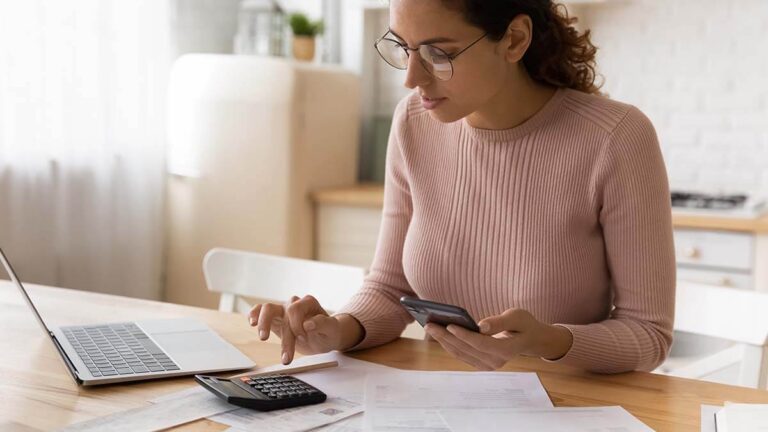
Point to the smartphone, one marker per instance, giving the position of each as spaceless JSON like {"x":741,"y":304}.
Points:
{"x":425,"y":311}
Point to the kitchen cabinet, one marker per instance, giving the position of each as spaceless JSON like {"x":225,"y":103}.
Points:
{"x":727,"y":252}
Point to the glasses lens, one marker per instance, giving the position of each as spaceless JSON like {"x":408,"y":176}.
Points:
{"x":393,"y":53}
{"x":436,"y":61}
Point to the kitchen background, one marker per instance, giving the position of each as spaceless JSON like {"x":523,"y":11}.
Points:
{"x":94,"y":196}
{"x":697,"y":68}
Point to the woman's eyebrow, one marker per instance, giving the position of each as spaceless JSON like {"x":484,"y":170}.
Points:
{"x":428,"y":41}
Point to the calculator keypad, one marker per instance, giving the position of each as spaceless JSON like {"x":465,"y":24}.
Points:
{"x":279,"y":386}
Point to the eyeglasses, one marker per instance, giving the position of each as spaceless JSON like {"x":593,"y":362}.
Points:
{"x":436,"y":61}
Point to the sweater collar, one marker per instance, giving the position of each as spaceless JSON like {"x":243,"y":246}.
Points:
{"x":534,"y":122}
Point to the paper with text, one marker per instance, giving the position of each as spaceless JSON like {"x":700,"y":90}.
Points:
{"x":411,"y":400}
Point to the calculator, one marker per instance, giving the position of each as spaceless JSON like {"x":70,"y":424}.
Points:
{"x":263,"y":393}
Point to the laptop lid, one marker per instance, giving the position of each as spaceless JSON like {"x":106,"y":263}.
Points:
{"x":15,"y":279}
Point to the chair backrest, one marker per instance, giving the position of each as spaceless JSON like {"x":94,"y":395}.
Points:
{"x":726,"y":313}
{"x":737,"y":318}
{"x":235,"y":273}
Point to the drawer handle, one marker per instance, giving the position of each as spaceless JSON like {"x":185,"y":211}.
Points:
{"x":724,"y":281}
{"x":691,"y":252}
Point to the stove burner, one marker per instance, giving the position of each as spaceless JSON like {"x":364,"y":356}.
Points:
{"x":705,"y":201}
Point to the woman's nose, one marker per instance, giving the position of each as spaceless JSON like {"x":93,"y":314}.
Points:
{"x":416,"y":75}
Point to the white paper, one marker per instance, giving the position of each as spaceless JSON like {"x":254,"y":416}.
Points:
{"x":350,"y":424}
{"x":591,"y":419}
{"x":737,"y":417}
{"x":175,"y":409}
{"x":708,"y":417}
{"x":195,"y":390}
{"x":407,"y":400}
{"x":346,"y":381}
{"x":297,"y":419}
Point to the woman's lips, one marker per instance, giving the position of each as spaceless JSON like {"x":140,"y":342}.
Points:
{"x":431,"y":103}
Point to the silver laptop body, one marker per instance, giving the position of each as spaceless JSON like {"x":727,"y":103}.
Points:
{"x":138,"y":350}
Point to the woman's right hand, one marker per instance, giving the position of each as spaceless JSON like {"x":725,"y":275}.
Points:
{"x":301,"y":324}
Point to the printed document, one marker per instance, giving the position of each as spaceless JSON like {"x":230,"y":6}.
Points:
{"x":411,"y":400}
{"x":589,"y":419}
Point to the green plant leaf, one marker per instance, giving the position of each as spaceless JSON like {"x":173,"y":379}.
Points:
{"x":302,"y":26}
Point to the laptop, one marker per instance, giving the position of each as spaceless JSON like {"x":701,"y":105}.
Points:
{"x":137,"y":350}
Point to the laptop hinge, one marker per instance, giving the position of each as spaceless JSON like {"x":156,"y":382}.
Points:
{"x":65,"y":358}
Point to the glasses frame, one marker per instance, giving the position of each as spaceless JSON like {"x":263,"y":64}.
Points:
{"x":408,"y":50}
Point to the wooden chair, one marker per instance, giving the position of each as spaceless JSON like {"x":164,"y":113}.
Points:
{"x":721,"y":335}
{"x":236,"y":274}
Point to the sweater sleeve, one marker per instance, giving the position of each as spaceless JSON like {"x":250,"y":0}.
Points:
{"x":377,"y":304}
{"x":631,"y":189}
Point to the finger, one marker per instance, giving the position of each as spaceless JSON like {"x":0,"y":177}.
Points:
{"x":462,"y":355}
{"x":512,"y":320}
{"x":492,"y":358}
{"x":253,"y":315}
{"x":477,"y":341}
{"x":288,"y":342}
{"x":287,"y":307}
{"x":268,"y":313}
{"x":299,"y":311}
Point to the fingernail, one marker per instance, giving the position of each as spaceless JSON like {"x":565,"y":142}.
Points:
{"x":251,"y":321}
{"x":263,"y":334}
{"x":285,"y":358}
{"x":451,"y":328}
{"x":309,"y":325}
{"x":484,"y":327}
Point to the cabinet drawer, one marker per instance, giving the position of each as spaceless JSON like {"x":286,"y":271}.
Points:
{"x":347,"y":235}
{"x":716,"y":278}
{"x":714,"y":249}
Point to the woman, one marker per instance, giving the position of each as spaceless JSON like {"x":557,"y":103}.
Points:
{"x":513,"y":189}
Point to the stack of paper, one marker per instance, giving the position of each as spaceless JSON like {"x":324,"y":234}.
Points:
{"x":742,"y":418}
{"x":591,"y":419}
{"x":412,"y":399}
{"x":479,"y":401}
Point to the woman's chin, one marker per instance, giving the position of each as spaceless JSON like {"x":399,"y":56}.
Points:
{"x":444,"y":116}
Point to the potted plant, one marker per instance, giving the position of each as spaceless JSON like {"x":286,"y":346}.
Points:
{"x":304,"y":32}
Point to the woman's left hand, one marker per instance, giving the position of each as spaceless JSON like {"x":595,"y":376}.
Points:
{"x":502,"y":337}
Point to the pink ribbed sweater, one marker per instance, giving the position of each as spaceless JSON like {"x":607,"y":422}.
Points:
{"x":566,"y":215}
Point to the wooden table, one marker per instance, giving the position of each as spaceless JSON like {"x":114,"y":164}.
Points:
{"x":36,"y":392}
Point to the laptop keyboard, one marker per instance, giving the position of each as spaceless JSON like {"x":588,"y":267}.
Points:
{"x":117,"y":349}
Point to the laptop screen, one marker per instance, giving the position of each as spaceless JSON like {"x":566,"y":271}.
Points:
{"x":16,"y":281}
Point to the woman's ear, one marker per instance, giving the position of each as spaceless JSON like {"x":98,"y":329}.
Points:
{"x":518,"y":38}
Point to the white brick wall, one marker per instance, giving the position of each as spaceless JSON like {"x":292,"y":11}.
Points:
{"x":697,"y":68}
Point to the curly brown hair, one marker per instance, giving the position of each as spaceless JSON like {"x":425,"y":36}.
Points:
{"x":558,"y":55}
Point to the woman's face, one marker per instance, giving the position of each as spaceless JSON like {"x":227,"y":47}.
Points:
{"x":478,"y":73}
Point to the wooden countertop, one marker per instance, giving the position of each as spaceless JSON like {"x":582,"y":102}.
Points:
{"x":359,"y":195}
{"x":372,"y":195}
